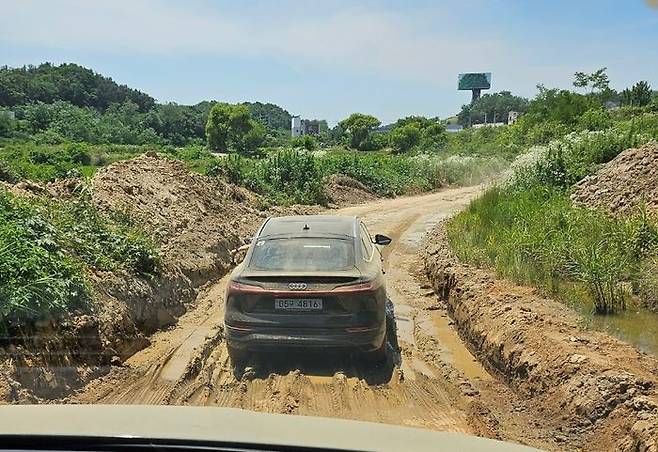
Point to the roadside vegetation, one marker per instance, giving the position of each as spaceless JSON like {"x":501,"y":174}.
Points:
{"x":48,"y":249}
{"x":527,"y":229}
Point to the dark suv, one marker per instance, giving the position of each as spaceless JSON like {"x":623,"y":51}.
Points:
{"x":308,"y":282}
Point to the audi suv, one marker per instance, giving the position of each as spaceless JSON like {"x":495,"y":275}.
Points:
{"x":308,"y":283}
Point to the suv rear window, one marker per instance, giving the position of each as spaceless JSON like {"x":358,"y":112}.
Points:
{"x":303,"y":254}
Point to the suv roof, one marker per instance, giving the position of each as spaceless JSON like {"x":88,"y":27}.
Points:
{"x":310,"y":225}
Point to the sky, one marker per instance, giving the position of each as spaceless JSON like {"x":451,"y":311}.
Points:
{"x":327,"y":59}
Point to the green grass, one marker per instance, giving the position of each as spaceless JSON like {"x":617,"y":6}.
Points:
{"x":48,"y":247}
{"x":535,"y":236}
{"x":529,"y":231}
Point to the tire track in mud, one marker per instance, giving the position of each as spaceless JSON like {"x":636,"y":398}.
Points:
{"x":432,"y":381}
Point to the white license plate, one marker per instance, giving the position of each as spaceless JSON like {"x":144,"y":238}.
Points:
{"x":298,"y":304}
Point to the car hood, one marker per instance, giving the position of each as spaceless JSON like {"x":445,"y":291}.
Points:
{"x":214,"y":424}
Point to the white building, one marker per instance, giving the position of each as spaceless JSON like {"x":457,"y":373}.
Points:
{"x":300,"y":126}
{"x":512,"y":116}
{"x":296,"y":126}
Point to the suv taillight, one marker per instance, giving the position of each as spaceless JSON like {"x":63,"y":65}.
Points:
{"x":357,"y":288}
{"x":234,"y":288}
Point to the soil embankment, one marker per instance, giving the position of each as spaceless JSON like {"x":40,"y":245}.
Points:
{"x":584,"y":383}
{"x":623,"y":184}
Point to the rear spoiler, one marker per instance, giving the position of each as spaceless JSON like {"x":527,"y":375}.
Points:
{"x":256,"y":274}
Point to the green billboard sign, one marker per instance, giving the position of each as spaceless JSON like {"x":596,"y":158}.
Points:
{"x":474,"y":80}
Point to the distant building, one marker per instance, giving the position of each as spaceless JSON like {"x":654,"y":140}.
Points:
{"x":489,"y":124}
{"x":512,"y":116}
{"x":299,"y":127}
{"x":612,"y":105}
{"x":454,"y":128}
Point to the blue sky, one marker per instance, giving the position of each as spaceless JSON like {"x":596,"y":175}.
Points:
{"x":327,"y":59}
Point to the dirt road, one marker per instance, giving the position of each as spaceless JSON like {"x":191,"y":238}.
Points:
{"x":431,"y":381}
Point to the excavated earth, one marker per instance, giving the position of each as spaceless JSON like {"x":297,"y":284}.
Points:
{"x":622,"y":184}
{"x":343,"y":190}
{"x":586,"y":384}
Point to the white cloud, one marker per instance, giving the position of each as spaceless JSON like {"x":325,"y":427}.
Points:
{"x":405,"y":46}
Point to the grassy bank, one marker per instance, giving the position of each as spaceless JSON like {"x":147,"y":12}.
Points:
{"x":528,"y":230}
{"x":48,"y":247}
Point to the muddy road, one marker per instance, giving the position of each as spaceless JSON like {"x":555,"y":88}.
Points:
{"x":431,"y":379}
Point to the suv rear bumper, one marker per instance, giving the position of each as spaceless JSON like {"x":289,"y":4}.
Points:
{"x":258,"y":338}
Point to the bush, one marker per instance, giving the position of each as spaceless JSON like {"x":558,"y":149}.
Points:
{"x":307,"y":142}
{"x":404,"y":138}
{"x":46,"y":247}
{"x":595,"y":119}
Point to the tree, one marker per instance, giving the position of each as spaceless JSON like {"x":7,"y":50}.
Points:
{"x":249,"y":142}
{"x":358,"y":128}
{"x":270,"y":115}
{"x":404,"y":138}
{"x":218,"y":127}
{"x":6,"y":124}
{"x":597,"y":80}
{"x":72,"y":83}
{"x":231,"y":126}
{"x":641,"y":94}
{"x":557,"y":105}
{"x":626,"y":97}
{"x":492,"y":108}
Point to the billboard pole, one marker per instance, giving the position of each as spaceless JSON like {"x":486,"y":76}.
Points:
{"x":475,"y":94}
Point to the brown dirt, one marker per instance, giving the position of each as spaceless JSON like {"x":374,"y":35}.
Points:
{"x":598,"y":392}
{"x":623,"y":183}
{"x":343,"y":190}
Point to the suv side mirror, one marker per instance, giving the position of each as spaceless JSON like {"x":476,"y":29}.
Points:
{"x":238,"y":254}
{"x":381,"y":239}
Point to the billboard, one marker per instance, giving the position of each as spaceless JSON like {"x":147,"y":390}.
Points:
{"x":474,"y":80}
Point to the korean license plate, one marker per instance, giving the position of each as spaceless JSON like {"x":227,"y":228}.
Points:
{"x":298,"y":304}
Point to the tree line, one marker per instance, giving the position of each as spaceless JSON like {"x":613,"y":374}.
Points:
{"x":52,"y":104}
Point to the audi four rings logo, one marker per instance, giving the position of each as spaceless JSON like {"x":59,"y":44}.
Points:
{"x":297,"y":286}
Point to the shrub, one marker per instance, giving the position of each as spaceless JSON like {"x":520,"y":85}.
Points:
{"x":46,"y":247}
{"x":305,"y":142}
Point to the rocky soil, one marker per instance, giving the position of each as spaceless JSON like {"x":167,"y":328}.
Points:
{"x":622,"y":184}
{"x":584,"y":383}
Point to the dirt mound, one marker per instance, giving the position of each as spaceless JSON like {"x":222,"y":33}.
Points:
{"x":623,"y":183}
{"x":344,"y":190}
{"x":196,"y":219}
{"x":595,"y":385}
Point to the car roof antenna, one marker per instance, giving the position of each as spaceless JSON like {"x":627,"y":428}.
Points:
{"x":306,"y":228}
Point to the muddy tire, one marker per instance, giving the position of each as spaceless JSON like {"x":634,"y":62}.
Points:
{"x":377,"y":356}
{"x":238,"y":357}
{"x":380,"y":355}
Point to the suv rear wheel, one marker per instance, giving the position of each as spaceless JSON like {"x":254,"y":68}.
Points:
{"x":238,"y":356}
